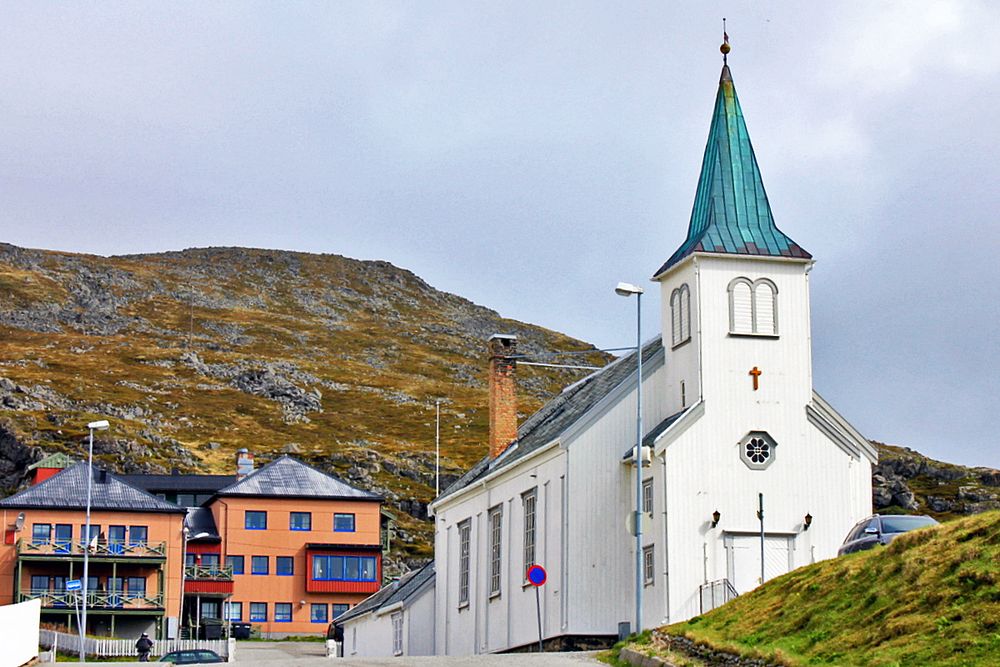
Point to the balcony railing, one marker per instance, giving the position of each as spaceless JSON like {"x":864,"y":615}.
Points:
{"x":210,"y":573}
{"x":125,"y":600}
{"x":98,"y":548}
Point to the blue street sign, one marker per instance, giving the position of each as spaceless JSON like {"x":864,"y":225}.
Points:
{"x":73,"y":584}
{"x":536,"y":575}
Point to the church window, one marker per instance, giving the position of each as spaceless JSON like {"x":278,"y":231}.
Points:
{"x":397,"y":633}
{"x":757,"y":450}
{"x":464,"y":530}
{"x":753,"y":307}
{"x":647,"y":565}
{"x":647,"y":496}
{"x":496,"y":516}
{"x":530,"y":502}
{"x":680,"y":315}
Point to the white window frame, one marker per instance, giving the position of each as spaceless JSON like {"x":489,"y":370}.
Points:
{"x":648,"y":565}
{"x":647,"y":495}
{"x":529,"y":501}
{"x":755,"y":323}
{"x":464,"y":539}
{"x":496,"y":549}
{"x":397,"y":633}
{"x":680,"y":316}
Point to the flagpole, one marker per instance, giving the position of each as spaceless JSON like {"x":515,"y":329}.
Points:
{"x":437,"y":448}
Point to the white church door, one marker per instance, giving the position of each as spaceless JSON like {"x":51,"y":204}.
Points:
{"x":743,"y":559}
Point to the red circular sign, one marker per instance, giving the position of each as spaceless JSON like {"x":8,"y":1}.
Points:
{"x":536,"y":575}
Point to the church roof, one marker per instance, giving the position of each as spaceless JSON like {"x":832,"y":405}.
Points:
{"x":290,"y":478}
{"x":731,"y":214}
{"x":68,"y":490}
{"x":559,"y":414}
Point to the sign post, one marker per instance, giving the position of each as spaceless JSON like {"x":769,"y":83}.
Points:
{"x":75,"y":585}
{"x":536,"y":577}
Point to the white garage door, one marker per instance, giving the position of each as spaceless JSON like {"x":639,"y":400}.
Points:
{"x":743,"y":559}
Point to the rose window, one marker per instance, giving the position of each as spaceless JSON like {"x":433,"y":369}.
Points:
{"x":757,"y":450}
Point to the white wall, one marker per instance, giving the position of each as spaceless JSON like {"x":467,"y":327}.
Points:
{"x":418,"y":623}
{"x":507,"y":620}
{"x":19,"y":632}
{"x":601,"y":566}
{"x":368,"y":635}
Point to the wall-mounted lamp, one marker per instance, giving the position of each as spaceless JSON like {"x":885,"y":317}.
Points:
{"x":715,"y":518}
{"x":808,"y":519}
{"x":302,"y":603}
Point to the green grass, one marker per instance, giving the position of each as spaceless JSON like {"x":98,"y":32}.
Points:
{"x":932,"y":597}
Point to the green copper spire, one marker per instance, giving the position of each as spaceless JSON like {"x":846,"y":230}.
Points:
{"x":731,"y":214}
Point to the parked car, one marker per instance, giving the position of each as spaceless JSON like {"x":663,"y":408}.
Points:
{"x":881,"y":529}
{"x":198,"y":656}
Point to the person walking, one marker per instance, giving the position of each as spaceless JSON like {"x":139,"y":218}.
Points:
{"x":144,"y":646}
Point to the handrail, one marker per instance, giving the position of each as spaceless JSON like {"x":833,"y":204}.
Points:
{"x":714,"y":594}
{"x":98,"y":548}
{"x":95,"y":599}
{"x":212,"y":572}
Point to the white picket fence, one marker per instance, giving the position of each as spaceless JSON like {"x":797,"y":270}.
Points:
{"x":115,"y":648}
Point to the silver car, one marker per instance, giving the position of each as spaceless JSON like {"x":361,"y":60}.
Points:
{"x":882,"y":529}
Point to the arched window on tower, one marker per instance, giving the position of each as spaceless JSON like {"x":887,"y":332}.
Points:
{"x":680,"y":315}
{"x":753,"y":307}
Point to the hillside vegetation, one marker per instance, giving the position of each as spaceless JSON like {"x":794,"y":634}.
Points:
{"x":192,"y":355}
{"x":932,"y":597}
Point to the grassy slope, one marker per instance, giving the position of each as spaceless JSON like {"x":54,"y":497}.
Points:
{"x":930,"y":598}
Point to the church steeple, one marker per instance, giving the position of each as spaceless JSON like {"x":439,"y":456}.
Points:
{"x":731,"y":213}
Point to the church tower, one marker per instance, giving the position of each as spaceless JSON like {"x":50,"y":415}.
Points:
{"x":735,"y":297}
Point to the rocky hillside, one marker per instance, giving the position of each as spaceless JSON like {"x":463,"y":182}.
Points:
{"x":192,"y":355}
{"x":905,"y":481}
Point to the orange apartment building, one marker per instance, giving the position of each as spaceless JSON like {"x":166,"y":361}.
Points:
{"x":135,"y":560}
{"x":285,"y":549}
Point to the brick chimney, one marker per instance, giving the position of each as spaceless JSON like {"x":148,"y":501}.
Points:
{"x":503,"y":393}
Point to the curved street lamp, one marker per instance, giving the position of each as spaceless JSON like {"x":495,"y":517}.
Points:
{"x":627,"y":290}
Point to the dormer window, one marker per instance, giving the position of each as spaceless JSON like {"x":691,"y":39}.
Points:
{"x":753,"y":307}
{"x":680,"y":315}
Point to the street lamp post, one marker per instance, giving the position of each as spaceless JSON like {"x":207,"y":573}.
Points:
{"x":626,"y":290}
{"x":101,"y":425}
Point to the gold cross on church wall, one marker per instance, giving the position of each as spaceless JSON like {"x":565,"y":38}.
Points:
{"x":756,"y":372}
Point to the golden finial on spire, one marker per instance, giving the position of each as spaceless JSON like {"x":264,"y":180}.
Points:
{"x":725,"y":48}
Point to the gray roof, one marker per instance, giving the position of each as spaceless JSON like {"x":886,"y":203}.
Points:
{"x":650,"y":438}
{"x":201,"y":524}
{"x":398,"y":591}
{"x":184,"y":483}
{"x":553,"y":418}
{"x":288,"y":477}
{"x":68,"y":490}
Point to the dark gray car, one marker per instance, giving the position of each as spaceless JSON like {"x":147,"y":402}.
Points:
{"x":881,"y":529}
{"x":199,"y":656}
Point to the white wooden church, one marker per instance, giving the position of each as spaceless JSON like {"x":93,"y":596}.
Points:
{"x":731,"y":419}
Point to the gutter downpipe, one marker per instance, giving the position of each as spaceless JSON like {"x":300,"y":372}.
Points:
{"x":666,"y":544}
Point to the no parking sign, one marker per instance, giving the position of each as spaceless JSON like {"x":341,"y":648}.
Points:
{"x":536,"y":575}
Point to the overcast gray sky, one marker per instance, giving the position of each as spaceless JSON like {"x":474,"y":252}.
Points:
{"x":528,"y":156}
